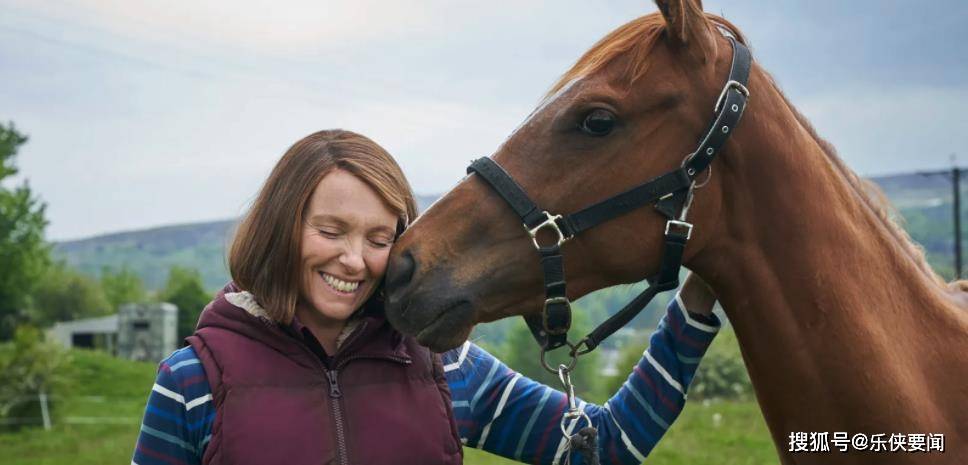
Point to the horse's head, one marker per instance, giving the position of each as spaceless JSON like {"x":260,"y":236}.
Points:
{"x":630,"y":109}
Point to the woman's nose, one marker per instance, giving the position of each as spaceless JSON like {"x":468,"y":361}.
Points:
{"x":352,"y":256}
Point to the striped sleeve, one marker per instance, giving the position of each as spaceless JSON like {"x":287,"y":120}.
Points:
{"x":179,"y":415}
{"x":505,"y":413}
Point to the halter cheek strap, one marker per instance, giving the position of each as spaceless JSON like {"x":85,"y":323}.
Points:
{"x":670,"y":194}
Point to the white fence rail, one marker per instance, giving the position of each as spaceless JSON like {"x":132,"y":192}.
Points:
{"x":47,"y":421}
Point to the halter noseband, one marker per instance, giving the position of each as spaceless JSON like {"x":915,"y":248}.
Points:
{"x":671,"y":194}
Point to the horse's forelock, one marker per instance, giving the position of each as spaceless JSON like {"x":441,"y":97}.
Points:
{"x":635,"y":39}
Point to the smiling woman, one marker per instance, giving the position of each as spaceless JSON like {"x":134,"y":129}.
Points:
{"x":350,"y":196}
{"x":294,"y":361}
{"x":345,"y":244}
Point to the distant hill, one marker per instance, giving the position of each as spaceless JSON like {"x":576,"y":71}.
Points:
{"x":923,"y":201}
{"x":925,"y":205}
{"x":151,"y":252}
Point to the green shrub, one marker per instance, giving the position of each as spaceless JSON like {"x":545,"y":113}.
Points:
{"x":29,"y":366}
{"x":722,"y":373}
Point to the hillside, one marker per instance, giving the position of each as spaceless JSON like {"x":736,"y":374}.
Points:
{"x":151,"y":252}
{"x":925,"y":205}
{"x":923,"y":201}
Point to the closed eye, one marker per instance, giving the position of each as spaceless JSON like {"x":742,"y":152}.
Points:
{"x":381,"y":243}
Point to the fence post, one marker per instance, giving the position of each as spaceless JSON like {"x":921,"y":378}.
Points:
{"x":43,"y":409}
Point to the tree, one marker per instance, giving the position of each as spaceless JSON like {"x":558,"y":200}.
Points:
{"x":185,"y":290}
{"x":722,"y":373}
{"x":65,"y":294}
{"x":23,"y":251}
{"x":122,"y":287}
{"x":630,"y":354}
{"x":29,"y":366}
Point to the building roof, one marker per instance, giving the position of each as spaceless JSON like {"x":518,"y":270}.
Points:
{"x":104,"y":324}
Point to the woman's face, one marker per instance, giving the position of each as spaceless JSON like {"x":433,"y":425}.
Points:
{"x":346,"y":241}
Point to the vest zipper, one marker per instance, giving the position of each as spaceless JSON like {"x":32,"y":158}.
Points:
{"x":342,"y":453}
{"x":335,"y":394}
{"x":334,"y":391}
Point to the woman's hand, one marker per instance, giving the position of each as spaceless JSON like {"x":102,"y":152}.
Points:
{"x":697,"y":296}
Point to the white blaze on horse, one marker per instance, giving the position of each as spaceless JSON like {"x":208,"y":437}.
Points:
{"x":842,"y":323}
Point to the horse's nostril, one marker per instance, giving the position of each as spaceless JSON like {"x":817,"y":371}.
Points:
{"x":399,"y":273}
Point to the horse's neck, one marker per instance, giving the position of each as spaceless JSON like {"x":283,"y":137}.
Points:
{"x":837,"y":323}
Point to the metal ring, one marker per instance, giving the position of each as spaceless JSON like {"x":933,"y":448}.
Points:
{"x":577,"y":351}
{"x":709,"y":175}
{"x":570,"y":366}
{"x":686,"y":159}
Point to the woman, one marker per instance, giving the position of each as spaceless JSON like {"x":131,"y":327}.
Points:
{"x":294,"y":362}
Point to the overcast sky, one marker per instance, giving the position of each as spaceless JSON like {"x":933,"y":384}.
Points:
{"x":144,"y":113}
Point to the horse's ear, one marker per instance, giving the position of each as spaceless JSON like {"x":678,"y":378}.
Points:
{"x":687,"y":26}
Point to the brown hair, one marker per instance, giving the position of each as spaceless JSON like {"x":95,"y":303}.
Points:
{"x":265,"y":253}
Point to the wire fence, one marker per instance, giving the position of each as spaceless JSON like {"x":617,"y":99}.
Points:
{"x":47,"y":420}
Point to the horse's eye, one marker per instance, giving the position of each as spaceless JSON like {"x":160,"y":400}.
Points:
{"x":598,"y":122}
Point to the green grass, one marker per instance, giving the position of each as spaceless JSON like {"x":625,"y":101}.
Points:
{"x":101,"y":386}
{"x":738,"y":438}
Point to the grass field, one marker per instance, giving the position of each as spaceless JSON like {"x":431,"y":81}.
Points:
{"x":102,"y":386}
{"x":721,"y":433}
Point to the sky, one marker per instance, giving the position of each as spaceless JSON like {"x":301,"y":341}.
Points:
{"x":146,"y":113}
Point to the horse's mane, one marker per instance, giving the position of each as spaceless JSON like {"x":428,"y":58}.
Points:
{"x":872,"y":195}
{"x":636,"y":40}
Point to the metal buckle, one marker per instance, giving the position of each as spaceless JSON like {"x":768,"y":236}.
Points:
{"x":681,"y":224}
{"x":544,"y":314}
{"x":550,"y":221}
{"x":730,"y":85}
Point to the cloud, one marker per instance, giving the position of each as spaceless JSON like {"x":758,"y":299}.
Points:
{"x":891,"y":129}
{"x":435,"y":140}
{"x":147,"y":113}
{"x":262,"y":25}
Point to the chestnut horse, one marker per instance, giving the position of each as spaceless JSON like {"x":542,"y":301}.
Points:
{"x":841,"y":322}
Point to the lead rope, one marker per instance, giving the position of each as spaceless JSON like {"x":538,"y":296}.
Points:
{"x":585,"y":441}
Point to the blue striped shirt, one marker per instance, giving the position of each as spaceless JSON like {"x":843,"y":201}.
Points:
{"x":496,"y":408}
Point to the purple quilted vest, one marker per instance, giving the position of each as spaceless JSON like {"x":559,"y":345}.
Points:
{"x":382,"y":399}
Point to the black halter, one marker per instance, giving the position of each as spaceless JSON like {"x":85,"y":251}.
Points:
{"x":671,"y":193}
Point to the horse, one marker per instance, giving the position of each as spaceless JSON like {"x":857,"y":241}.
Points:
{"x":842,"y":324}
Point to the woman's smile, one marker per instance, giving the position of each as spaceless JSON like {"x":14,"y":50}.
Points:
{"x":346,"y":243}
{"x":339,"y":286}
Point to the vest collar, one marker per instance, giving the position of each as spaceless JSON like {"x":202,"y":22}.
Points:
{"x":369,"y":335}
